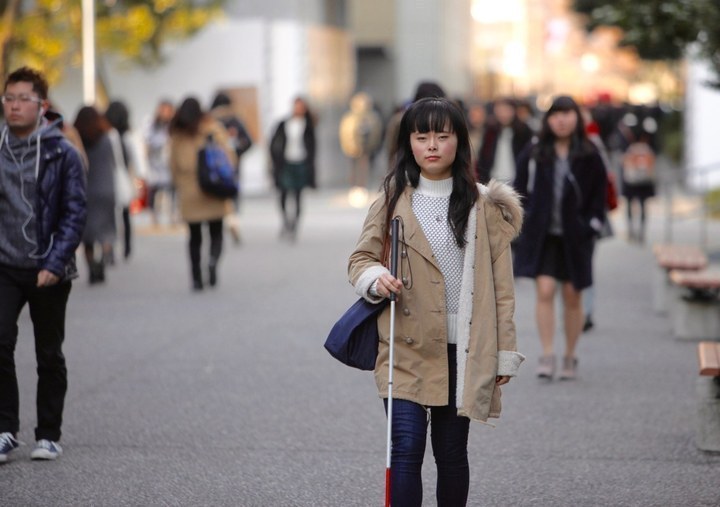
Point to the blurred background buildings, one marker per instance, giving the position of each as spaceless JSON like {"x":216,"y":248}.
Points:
{"x":266,"y":52}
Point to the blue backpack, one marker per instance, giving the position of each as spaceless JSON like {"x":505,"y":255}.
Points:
{"x":215,"y":172}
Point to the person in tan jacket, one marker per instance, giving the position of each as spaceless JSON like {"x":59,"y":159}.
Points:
{"x":189,"y":129}
{"x":455,"y":341}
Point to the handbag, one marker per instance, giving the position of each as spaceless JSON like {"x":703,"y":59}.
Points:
{"x":353,"y":340}
{"x":124,"y":187}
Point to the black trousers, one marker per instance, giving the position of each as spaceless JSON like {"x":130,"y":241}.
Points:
{"x":215,"y":228}
{"x":47,"y":312}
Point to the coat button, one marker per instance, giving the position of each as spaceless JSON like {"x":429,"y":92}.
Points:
{"x":409,"y":340}
{"x":406,"y":311}
{"x":403,"y":253}
{"x":404,"y":280}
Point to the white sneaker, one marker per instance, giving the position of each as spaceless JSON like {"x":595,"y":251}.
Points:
{"x":8,"y":443}
{"x":46,"y":450}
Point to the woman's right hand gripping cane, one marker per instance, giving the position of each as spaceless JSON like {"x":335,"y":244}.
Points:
{"x":386,"y":284}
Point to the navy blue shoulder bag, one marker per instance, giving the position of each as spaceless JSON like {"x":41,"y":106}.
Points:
{"x":353,"y":340}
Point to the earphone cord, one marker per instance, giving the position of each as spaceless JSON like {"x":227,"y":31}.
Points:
{"x":4,"y":141}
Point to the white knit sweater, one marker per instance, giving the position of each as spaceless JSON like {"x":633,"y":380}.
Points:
{"x":430,"y":203}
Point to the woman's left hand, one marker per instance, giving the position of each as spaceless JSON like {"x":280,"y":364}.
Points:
{"x":501,"y":380}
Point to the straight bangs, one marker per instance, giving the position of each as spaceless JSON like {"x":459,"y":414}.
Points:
{"x":563,"y":104}
{"x":434,"y":115}
{"x":430,"y":115}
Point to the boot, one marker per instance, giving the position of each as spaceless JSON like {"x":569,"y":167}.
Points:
{"x":212,"y":271}
{"x":97,"y":272}
{"x":197,"y":283}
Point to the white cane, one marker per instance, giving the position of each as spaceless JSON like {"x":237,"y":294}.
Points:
{"x":394,"y":230}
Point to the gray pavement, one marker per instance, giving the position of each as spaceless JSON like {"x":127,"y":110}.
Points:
{"x":228,"y":397}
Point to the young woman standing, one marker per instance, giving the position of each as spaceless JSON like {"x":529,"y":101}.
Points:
{"x":563,"y":182}
{"x":454,"y":334}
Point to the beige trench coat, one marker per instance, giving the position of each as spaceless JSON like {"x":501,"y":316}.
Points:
{"x":486,"y":343}
{"x":194,"y":204}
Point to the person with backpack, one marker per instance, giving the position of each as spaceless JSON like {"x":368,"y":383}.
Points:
{"x":189,"y":131}
{"x":563,"y":181}
{"x":222,"y":110}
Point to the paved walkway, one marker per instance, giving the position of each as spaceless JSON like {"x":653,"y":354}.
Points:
{"x":228,"y":398}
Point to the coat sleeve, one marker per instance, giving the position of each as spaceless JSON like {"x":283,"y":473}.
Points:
{"x":598,"y":197}
{"x":173,"y":144}
{"x":501,"y":232}
{"x":521,"y":174}
{"x":365,"y":263}
{"x":72,"y":213}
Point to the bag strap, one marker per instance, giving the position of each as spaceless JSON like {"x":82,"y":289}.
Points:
{"x":116,"y":144}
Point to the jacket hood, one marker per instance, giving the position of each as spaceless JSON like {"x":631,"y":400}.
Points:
{"x":49,"y":129}
{"x":28,"y":150}
{"x":507,"y":199}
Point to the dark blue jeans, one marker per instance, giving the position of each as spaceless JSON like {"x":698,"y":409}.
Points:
{"x":449,"y":437}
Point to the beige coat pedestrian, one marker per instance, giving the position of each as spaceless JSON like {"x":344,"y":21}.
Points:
{"x":486,"y":330}
{"x":194,"y":204}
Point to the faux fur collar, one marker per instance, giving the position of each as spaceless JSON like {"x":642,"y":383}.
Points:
{"x":507,"y":199}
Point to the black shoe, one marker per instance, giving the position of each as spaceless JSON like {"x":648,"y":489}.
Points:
{"x":97,"y":273}
{"x":197,"y":285}
{"x":588,"y":324}
{"x":212,"y":280}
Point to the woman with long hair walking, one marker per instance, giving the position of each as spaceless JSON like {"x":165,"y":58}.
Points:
{"x":189,"y":130}
{"x":563,"y":182}
{"x":100,"y":229}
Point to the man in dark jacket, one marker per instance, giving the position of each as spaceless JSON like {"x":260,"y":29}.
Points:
{"x":42,"y":215}
{"x":504,"y":138}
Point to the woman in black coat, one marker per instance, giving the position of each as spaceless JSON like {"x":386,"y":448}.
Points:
{"x":292,"y":150}
{"x":562,"y":180}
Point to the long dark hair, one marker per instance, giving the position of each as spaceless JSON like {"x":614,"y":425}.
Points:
{"x":118,"y":115}
{"x":426,"y":115}
{"x":187,"y":117}
{"x":91,"y":125}
{"x":579,"y":143}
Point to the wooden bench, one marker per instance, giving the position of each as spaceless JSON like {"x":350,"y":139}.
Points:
{"x":673,"y":257}
{"x":707,"y":436}
{"x":696,"y":313}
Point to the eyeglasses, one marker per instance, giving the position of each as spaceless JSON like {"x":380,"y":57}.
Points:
{"x":23,"y":99}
